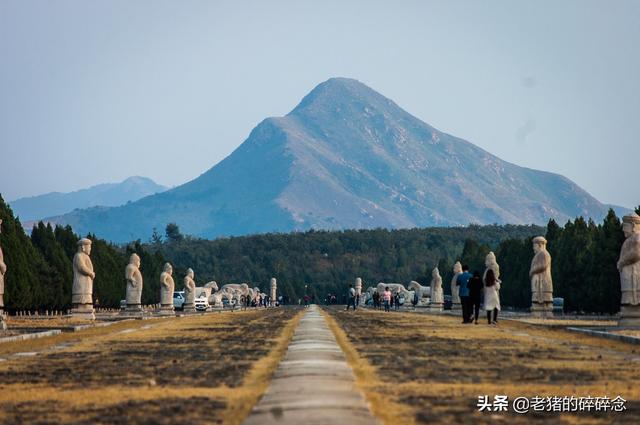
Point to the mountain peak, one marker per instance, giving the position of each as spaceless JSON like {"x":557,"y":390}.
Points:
{"x":339,"y":93}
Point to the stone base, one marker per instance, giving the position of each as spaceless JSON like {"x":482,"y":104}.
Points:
{"x":166,"y":310}
{"x":84,"y":312}
{"x":456,"y":307}
{"x":436,"y":308}
{"x":134,"y":310}
{"x":629,"y":316}
{"x":3,"y":324}
{"x":542,"y":311}
{"x":188,"y":308}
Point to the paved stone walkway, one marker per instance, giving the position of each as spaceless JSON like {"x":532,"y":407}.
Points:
{"x":313,"y":383}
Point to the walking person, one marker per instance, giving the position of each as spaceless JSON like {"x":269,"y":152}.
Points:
{"x":386,"y":298}
{"x":351,"y":298}
{"x":463,"y":291}
{"x":243,"y":302}
{"x":491,"y":297}
{"x":475,"y":295}
{"x":396,"y":301}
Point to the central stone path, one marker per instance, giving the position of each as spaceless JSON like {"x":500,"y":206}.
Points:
{"x":313,"y":383}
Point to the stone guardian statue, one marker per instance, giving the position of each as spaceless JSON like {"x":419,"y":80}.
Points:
{"x":358,"y":288}
{"x":455,"y":294}
{"x":541,"y":283}
{"x":274,"y":286}
{"x":491,"y":263}
{"x":629,"y":268}
{"x":83,"y":276}
{"x":167,"y":286}
{"x":437,"y":297}
{"x":189,"y":292}
{"x":134,"y":285}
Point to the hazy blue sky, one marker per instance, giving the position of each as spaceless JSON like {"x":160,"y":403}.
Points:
{"x":96,"y":91}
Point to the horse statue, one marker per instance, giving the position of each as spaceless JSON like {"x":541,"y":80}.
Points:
{"x":423,"y":292}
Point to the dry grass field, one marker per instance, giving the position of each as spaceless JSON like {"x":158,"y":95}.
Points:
{"x":195,"y":370}
{"x":419,"y":368}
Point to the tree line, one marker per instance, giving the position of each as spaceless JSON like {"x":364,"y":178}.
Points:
{"x":316,"y":262}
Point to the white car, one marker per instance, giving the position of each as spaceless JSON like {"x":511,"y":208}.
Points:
{"x":178,"y":300}
{"x":201,"y":303}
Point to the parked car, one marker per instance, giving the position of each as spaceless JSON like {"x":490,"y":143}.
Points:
{"x":201,"y":303}
{"x":178,"y":300}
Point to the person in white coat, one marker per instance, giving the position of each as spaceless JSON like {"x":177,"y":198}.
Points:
{"x":491,"y":296}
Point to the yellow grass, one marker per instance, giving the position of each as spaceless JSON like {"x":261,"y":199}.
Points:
{"x":367,"y":379}
{"x":435,"y":367}
{"x":242,"y":400}
{"x":226,"y":333}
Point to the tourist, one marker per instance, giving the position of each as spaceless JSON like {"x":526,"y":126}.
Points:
{"x":491,"y":296}
{"x":396,"y":301}
{"x":463,"y":281}
{"x":248,"y":302}
{"x":243,"y":302}
{"x":386,"y":298}
{"x":475,"y":295}
{"x":351,"y":297}
{"x":306,"y":300}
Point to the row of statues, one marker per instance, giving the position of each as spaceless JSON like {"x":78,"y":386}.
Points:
{"x":432,"y":296}
{"x":539,"y":274}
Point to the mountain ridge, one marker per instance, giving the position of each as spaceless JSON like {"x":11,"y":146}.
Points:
{"x":347,"y":157}
{"x":50,"y":204}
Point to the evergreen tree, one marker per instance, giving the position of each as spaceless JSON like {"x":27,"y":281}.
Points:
{"x":108,"y":264}
{"x":57,"y":293}
{"x":514,"y":257}
{"x":473,"y":255}
{"x":27,"y":272}
{"x":173,"y":233}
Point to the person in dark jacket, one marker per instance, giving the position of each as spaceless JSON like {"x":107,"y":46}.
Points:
{"x":463,"y":290}
{"x":475,"y":295}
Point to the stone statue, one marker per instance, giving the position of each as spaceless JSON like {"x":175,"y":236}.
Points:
{"x":167,"y":286}
{"x":491,"y":263}
{"x":274,"y":286}
{"x":213,"y":285}
{"x":83,"y":275}
{"x":455,"y":294}
{"x":396,"y":288}
{"x":422,"y":292}
{"x":189,"y":292}
{"x":629,"y":268}
{"x":437,"y":297}
{"x":541,"y":283}
{"x":134,"y":285}
{"x":358,"y":288}
{"x":3,"y":271}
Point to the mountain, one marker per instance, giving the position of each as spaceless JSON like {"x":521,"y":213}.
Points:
{"x":346,"y":157}
{"x":108,"y":195}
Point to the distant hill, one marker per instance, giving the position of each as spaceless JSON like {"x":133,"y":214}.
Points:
{"x":108,"y":195}
{"x":347,"y":157}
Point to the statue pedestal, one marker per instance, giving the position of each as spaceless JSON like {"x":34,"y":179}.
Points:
{"x":456,"y":307}
{"x":542,"y":311}
{"x":3,"y":323}
{"x":629,"y":315}
{"x":166,"y":310}
{"x":83,"y":311}
{"x":188,"y":308}
{"x":435,"y":308}
{"x":132,"y":310}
